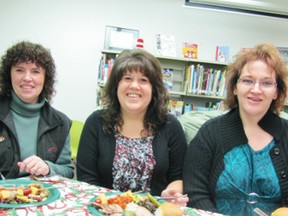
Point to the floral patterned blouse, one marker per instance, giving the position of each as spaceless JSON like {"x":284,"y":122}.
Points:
{"x":133,"y":163}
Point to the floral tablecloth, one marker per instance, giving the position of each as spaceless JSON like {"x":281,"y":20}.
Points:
{"x":74,"y":199}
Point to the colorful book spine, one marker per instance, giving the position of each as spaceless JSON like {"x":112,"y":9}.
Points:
{"x":192,"y":78}
{"x":222,"y":84}
{"x":216,"y":82}
{"x":188,"y":79}
{"x":210,"y":82}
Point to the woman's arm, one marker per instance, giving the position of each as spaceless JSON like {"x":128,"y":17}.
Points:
{"x":175,"y":189}
{"x":197,"y":171}
{"x":176,"y":185}
{"x":63,"y":166}
{"x":177,"y":148}
{"x":87,"y":156}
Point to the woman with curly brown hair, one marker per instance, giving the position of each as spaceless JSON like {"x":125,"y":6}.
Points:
{"x":133,"y":143}
{"x":238,"y":161}
{"x":34,"y":137}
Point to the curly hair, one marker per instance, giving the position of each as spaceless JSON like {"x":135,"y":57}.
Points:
{"x":135,"y":60}
{"x":270,"y":55}
{"x":25,"y":52}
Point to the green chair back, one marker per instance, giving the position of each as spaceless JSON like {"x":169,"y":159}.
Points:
{"x":75,"y":133}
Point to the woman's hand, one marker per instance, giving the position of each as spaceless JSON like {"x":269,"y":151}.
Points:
{"x":179,"y":198}
{"x":34,"y":165}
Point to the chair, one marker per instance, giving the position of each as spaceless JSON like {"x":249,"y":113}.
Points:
{"x":192,"y":121}
{"x":75,"y":133}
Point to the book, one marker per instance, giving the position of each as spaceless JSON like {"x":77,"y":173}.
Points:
{"x":166,"y":45}
{"x":192,"y":77}
{"x":210,"y":82}
{"x":190,"y":50}
{"x":196,"y":75}
{"x":200,"y":79}
{"x":222,"y":54}
{"x":284,"y":53}
{"x":175,"y":107}
{"x":205,"y":81}
{"x":187,"y":108}
{"x":222,"y":84}
{"x":215,"y":82}
{"x":188,"y":79}
{"x":105,"y":66}
{"x":168,"y":78}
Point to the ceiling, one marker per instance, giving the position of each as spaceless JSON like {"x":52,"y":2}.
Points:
{"x":274,"y":8}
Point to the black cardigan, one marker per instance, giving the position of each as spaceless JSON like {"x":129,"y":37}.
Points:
{"x":96,"y":154}
{"x":204,"y":158}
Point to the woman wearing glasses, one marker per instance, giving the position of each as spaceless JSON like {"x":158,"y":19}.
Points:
{"x":239,"y":161}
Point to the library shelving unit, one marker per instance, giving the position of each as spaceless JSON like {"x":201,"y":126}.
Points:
{"x":198,"y":83}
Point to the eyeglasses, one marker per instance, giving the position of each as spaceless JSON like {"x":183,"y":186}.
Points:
{"x":263,"y":84}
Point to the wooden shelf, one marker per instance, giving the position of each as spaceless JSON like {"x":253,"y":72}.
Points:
{"x":179,"y":66}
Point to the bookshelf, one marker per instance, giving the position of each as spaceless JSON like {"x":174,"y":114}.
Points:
{"x":201,"y":95}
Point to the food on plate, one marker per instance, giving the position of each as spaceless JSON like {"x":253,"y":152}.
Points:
{"x":121,"y":199}
{"x":109,"y":209}
{"x":142,"y":211}
{"x":133,"y":209}
{"x":21,"y":194}
{"x":130,"y":209}
{"x":150,"y":197}
{"x":168,"y":209}
{"x":101,"y":199}
{"x":283,"y":211}
{"x":129,"y":204}
{"x":148,"y":204}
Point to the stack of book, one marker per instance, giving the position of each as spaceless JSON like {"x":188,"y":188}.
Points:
{"x":209,"y":106}
{"x":205,"y":81}
{"x":105,"y":67}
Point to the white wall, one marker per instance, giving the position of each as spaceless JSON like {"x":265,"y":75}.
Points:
{"x":74,"y":32}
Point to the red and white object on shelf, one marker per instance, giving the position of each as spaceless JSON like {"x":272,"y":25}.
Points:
{"x":140,"y":43}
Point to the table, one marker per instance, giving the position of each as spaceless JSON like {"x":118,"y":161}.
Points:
{"x":74,"y":198}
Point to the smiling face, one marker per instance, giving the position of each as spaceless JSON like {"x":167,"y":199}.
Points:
{"x":256,"y":99}
{"x":134,"y":93}
{"x":27,"y":81}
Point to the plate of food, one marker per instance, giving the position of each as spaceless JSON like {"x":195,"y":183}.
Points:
{"x":19,"y":193}
{"x":127,"y":204}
